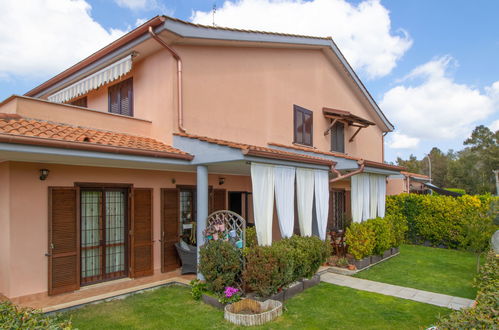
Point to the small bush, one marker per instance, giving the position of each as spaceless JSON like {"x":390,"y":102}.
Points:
{"x":383,"y":234}
{"x":271,"y":268}
{"x":197,"y":289}
{"x":486,"y":312}
{"x":263,"y":270}
{"x":14,"y":317}
{"x":220,"y":263}
{"x":251,"y":239}
{"x":399,"y":227}
{"x":360,"y":239}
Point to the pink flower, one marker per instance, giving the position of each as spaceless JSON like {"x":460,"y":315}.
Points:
{"x":230,"y":291}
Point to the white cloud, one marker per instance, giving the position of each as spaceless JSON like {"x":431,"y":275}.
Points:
{"x":41,"y":38}
{"x":430,"y":105}
{"x":363,"y":31}
{"x":140,"y":21}
{"x":402,"y":141}
{"x":494,"y":126}
{"x":150,"y":5}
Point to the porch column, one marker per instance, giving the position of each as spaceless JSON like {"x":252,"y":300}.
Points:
{"x":202,"y":206}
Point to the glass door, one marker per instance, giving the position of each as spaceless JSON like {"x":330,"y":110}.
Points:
{"x":103,"y":234}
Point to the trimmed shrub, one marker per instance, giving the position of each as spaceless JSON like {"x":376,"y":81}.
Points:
{"x":251,"y":239}
{"x":14,"y":317}
{"x":220,"y":263}
{"x":383,"y":234}
{"x":486,"y":311}
{"x":271,"y":268}
{"x":399,"y":228}
{"x":268,"y":269}
{"x":360,"y":239}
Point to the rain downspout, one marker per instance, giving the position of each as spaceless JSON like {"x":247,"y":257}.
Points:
{"x":180,"y":111}
{"x":340,"y":176}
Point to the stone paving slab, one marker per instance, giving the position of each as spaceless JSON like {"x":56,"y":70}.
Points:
{"x":427,"y":297}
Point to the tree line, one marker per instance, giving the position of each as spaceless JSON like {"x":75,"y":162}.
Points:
{"x":470,"y":169}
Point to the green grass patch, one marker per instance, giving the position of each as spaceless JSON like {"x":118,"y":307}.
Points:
{"x":320,"y":307}
{"x":431,"y":269}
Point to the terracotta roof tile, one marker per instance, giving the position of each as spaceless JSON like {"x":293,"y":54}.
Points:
{"x":261,"y":151}
{"x":82,"y":138}
{"x":415,"y":175}
{"x":370,"y":163}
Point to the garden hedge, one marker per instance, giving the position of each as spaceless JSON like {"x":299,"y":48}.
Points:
{"x":443,"y":220}
{"x":485,"y":314}
{"x":14,"y":317}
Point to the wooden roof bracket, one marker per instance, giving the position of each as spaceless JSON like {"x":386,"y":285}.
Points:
{"x":340,"y":176}
{"x":356,"y":132}
{"x":326,"y":132}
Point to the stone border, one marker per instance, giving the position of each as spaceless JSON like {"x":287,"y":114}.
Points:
{"x":344,"y":271}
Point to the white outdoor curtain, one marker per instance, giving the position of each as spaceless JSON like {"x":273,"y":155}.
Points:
{"x":94,"y":81}
{"x":321,"y":179}
{"x":365,"y":196}
{"x":360,"y":197}
{"x":305,"y":199}
{"x":373,"y":195}
{"x":381,"y":195}
{"x":285,"y":198}
{"x":262,"y":179}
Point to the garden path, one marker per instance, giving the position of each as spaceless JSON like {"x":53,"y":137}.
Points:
{"x":427,"y":297}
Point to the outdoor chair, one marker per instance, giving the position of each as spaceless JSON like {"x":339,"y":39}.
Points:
{"x":188,"y":257}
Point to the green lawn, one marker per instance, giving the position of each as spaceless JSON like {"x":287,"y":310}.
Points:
{"x":320,"y":307}
{"x":431,"y":269}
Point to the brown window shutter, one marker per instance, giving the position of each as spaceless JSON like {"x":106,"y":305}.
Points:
{"x":170,"y":206}
{"x":126,"y":97}
{"x":141,"y":233}
{"x":64,"y":240}
{"x":219,"y":199}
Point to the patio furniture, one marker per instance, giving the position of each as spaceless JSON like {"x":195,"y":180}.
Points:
{"x":338,"y":242}
{"x":188,"y":257}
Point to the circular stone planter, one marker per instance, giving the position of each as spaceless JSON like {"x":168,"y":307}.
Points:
{"x":250,"y":312}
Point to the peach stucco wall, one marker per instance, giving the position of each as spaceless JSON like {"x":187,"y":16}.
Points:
{"x":396,"y":186}
{"x":245,"y":95}
{"x":4,"y":227}
{"x":29,"y":214}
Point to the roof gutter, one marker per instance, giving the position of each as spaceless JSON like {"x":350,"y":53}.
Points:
{"x":340,"y":176}
{"x":180,"y":110}
{"x":90,"y":147}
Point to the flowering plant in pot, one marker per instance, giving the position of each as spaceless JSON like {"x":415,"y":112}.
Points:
{"x":230,"y":295}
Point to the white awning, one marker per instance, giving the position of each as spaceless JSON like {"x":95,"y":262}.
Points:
{"x":94,"y":81}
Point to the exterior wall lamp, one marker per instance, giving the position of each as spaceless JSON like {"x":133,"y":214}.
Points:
{"x":221,"y":181}
{"x":44,"y":173}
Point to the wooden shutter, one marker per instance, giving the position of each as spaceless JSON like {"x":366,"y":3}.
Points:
{"x":141,"y":233}
{"x":113,"y":96}
{"x":170,"y":218}
{"x":307,"y":128}
{"x":219,"y":200}
{"x":126,"y":97}
{"x":64,"y":240}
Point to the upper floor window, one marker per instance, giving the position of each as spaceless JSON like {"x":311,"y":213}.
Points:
{"x":121,"y":98}
{"x":81,"y":102}
{"x":338,"y":137}
{"x":303,"y":126}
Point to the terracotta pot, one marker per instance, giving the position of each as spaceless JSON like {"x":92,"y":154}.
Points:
{"x":351,"y":267}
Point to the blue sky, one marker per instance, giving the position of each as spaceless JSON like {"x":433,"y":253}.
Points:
{"x":431,"y":65}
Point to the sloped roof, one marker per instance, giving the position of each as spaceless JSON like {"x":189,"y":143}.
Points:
{"x":370,"y":163}
{"x":258,"y":151}
{"x":186,"y":29}
{"x":16,"y":129}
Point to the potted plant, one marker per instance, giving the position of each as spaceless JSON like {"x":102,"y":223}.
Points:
{"x":360,"y":240}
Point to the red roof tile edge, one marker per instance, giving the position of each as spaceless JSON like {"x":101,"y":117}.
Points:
{"x":264,"y":152}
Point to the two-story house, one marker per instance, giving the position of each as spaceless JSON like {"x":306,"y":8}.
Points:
{"x":108,"y":164}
